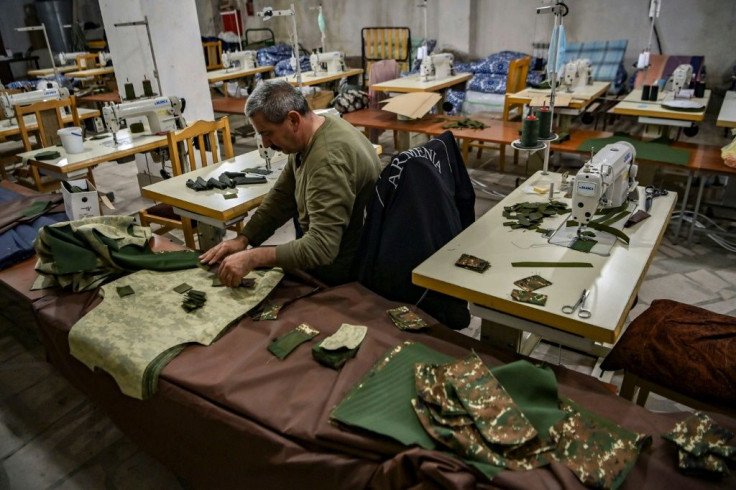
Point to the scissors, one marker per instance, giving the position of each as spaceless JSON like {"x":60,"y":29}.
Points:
{"x":582,"y":313}
{"x":652,"y":192}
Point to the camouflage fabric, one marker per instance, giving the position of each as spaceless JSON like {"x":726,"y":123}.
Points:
{"x":134,"y":337}
{"x":338,"y":348}
{"x":80,"y":255}
{"x":703,"y":445}
{"x":270,"y":312}
{"x":405,"y":319}
{"x":532,"y":283}
{"x":435,"y":389}
{"x":285,"y":345}
{"x":524,"y":296}
{"x":473,"y":263}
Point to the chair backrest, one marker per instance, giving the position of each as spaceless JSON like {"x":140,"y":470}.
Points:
{"x":212,"y":54}
{"x":386,"y":43}
{"x":381,"y":71}
{"x":516,"y":78}
{"x":204,"y":133}
{"x":87,"y":61}
{"x":50,"y":117}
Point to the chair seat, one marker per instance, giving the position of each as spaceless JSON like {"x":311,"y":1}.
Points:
{"x":681,"y":347}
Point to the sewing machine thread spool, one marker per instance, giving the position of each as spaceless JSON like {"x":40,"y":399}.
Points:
{"x":653,"y":92}
{"x":530,"y":132}
{"x":646,"y":92}
{"x":545,"y":121}
{"x":699,"y":89}
{"x":129,"y":91}
{"x":147,"y":89}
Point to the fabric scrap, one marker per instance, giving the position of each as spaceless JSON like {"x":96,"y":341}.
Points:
{"x":405,"y":319}
{"x":524,"y":296}
{"x":532,"y":283}
{"x":472,"y":263}
{"x":282,"y":346}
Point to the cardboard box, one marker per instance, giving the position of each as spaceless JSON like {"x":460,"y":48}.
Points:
{"x":83,"y":204}
{"x":413,"y":105}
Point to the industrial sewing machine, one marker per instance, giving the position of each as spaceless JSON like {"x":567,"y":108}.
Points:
{"x":163,"y":114}
{"x":605,"y":181}
{"x":679,"y":79}
{"x":327,"y":63}
{"x":244,"y":60}
{"x":9,"y":101}
{"x":265,"y":153}
{"x":436,"y":67}
{"x":578,"y":73}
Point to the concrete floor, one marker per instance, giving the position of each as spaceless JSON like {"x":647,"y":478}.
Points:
{"x":52,"y":437}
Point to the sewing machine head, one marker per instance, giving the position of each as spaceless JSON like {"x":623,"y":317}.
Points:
{"x":436,"y":67}
{"x":69,"y":58}
{"x":577,"y":73}
{"x":330,"y":63}
{"x":605,"y":181}
{"x":265,"y":153}
{"x":163,"y":113}
{"x":680,"y":78}
{"x":244,"y":60}
{"x":9,"y":101}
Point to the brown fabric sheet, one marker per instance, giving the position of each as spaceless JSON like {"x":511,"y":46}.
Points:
{"x":233,"y":416}
{"x":685,"y":348}
{"x":11,"y":213}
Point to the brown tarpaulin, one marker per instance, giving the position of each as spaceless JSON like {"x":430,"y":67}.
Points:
{"x":233,"y":416}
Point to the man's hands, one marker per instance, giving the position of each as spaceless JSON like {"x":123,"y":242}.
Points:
{"x":235,"y":261}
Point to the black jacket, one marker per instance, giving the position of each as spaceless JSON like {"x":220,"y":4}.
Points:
{"x":423,"y":199}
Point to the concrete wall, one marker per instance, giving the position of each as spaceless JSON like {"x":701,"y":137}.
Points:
{"x":481,"y":27}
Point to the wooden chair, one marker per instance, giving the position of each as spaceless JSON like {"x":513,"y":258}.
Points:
{"x":515,"y":82}
{"x":205,"y":134}
{"x":87,"y":61}
{"x":212,"y":55}
{"x":50,"y":117}
{"x":386,"y":43}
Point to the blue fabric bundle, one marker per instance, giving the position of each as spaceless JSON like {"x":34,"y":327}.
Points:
{"x":270,"y":55}
{"x":283,"y":67}
{"x":606,"y":58}
{"x":497,"y":63}
{"x":456,"y":99}
{"x":488,"y":83}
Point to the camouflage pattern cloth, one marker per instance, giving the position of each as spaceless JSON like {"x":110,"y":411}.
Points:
{"x":134,"y":337}
{"x":473,"y":263}
{"x":524,"y":296}
{"x":405,"y":319}
{"x":703,"y":445}
{"x":532,"y":283}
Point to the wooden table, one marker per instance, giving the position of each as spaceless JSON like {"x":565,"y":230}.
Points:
{"x":413,"y":84}
{"x":92,"y":72}
{"x":229,"y":105}
{"x":309,"y":78}
{"x":613,"y":280}
{"x":49,"y":72}
{"x":78,"y":165}
{"x":7,"y":129}
{"x":235,"y":73}
{"x":727,"y":114}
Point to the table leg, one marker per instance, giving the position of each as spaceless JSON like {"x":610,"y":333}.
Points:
{"x":683,"y":206}
{"x":697,"y":209}
{"x":209,"y":235}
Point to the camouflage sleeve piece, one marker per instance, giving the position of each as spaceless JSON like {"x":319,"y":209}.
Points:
{"x":600,"y":453}
{"x":702,"y":443}
{"x":433,"y":387}
{"x":494,"y":413}
{"x":701,"y":465}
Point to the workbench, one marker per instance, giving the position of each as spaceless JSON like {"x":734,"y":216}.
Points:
{"x":412,"y":83}
{"x":613,"y":280}
{"x":225,"y":74}
{"x":727,"y":114}
{"x":309,"y":78}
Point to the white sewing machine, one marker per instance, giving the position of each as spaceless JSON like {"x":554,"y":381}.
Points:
{"x":244,"y":60}
{"x":605,"y":181}
{"x":163,"y":114}
{"x":436,"y":67}
{"x":266,"y":153}
{"x":9,"y":101}
{"x":327,"y":63}
{"x":578,"y":73}
{"x":679,"y":79}
{"x":69,"y":58}
{"x":103,"y":58}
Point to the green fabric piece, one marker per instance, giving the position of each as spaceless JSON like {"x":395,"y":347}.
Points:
{"x":100,"y":136}
{"x":609,"y":229}
{"x":524,"y":296}
{"x":125,"y":291}
{"x":36,"y":208}
{"x":231,"y":195}
{"x":532,"y":283}
{"x":656,"y":151}
{"x":583,"y":245}
{"x":182,"y":288}
{"x":334,"y":359}
{"x":47,"y":155}
{"x":616,"y":217}
{"x":405,"y":319}
{"x":285,"y":345}
{"x":270,"y":312}
{"x":551,"y":264}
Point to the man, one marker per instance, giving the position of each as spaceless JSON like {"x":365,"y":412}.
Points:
{"x":327,"y":181}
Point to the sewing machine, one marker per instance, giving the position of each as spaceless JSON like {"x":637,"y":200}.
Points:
{"x":605,"y":181}
{"x":679,"y":79}
{"x":327,"y":63}
{"x":163,"y":114}
{"x":244,"y":60}
{"x":265,"y":153}
{"x":9,"y":101}
{"x":436,"y":67}
{"x":578,"y":73}
{"x":69,"y":58}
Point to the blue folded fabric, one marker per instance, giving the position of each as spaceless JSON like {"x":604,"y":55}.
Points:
{"x":16,"y":244}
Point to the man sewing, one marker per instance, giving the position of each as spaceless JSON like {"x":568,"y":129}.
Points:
{"x":330,"y":175}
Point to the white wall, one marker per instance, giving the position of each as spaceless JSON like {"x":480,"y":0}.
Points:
{"x":176,"y":43}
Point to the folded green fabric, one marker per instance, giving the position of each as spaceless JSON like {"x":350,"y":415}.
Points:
{"x":285,"y":345}
{"x":47,"y":155}
{"x":36,"y":208}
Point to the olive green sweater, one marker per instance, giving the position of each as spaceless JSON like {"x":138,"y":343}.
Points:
{"x":328,"y":187}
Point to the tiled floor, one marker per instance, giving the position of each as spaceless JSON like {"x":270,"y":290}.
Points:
{"x":51,"y":437}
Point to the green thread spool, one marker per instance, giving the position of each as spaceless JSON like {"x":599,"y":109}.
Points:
{"x":147,"y":89}
{"x":129,"y":91}
{"x":530,"y":132}
{"x":545,"y":122}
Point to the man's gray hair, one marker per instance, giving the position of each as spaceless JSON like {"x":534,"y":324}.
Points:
{"x":275,"y":99}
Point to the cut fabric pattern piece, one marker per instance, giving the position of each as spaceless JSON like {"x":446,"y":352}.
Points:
{"x":282,"y":346}
{"x":703,"y":445}
{"x":113,"y":337}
